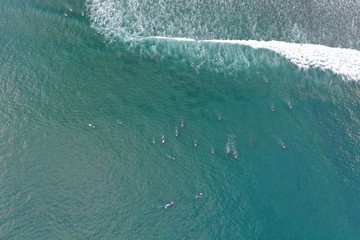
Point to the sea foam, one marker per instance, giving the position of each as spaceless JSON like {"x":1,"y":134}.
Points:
{"x":134,"y":21}
{"x":345,"y":62}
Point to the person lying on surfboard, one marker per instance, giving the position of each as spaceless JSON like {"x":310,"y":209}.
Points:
{"x":169,"y":204}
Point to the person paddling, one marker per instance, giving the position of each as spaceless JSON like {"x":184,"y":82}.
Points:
{"x":199,"y":195}
{"x":169,"y":204}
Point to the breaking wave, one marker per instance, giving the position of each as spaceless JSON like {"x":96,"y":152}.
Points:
{"x":152,"y":26}
{"x":341,"y":61}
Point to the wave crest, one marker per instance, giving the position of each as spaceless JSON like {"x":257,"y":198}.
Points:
{"x":137,"y":22}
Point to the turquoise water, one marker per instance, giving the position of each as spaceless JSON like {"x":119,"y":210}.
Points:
{"x":87,"y":93}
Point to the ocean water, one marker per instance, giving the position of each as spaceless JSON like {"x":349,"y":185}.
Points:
{"x":110,"y":109}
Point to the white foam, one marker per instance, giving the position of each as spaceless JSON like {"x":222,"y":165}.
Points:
{"x":173,"y":38}
{"x":342,"y":61}
{"x":133,"y":20}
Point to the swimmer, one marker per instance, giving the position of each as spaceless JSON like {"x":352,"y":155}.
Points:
{"x":182,"y":124}
{"x":169,"y":204}
{"x":163,"y":139}
{"x":235,"y":153}
{"x":282,"y":145}
{"x":91,"y":125}
{"x":199,"y":195}
{"x":195,"y":143}
{"x":212,"y":150}
{"x":153,"y":140}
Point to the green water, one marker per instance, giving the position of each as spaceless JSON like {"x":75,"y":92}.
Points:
{"x":286,"y":140}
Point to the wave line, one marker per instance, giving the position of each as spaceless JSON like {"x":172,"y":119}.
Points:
{"x":341,"y":61}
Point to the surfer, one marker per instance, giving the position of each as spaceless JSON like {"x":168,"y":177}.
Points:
{"x":169,"y":204}
{"x":235,"y":153}
{"x":182,"y":124}
{"x":227,"y":152}
{"x":91,"y":125}
{"x":272,"y":107}
{"x":176,"y":132}
{"x":289,"y":105}
{"x":199,"y":195}
{"x":227,"y":149}
{"x":163,"y":139}
{"x":170,"y":157}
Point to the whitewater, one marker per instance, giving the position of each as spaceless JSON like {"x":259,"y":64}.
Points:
{"x":345,"y":62}
{"x":134,"y":21}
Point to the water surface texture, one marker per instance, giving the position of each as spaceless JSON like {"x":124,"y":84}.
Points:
{"x":110,"y":109}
